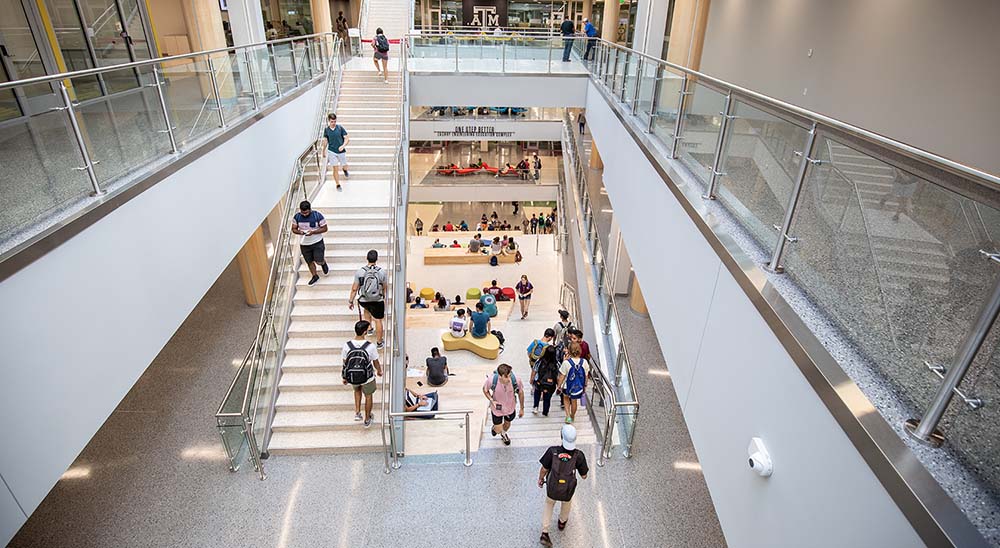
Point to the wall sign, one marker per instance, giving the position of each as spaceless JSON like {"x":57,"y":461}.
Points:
{"x":486,"y":14}
{"x":478,"y":131}
{"x":486,"y":130}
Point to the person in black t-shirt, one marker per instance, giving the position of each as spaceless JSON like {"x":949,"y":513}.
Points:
{"x":567,"y":30}
{"x":560,"y":456}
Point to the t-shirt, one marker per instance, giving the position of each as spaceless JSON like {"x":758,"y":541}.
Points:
{"x":335,"y":138}
{"x":360,"y":277}
{"x":495,"y":248}
{"x":479,"y":322}
{"x":474,"y":246}
{"x":584,"y":350}
{"x":523,"y":287}
{"x":564,"y":368}
{"x":495,"y":291}
{"x":590,"y":29}
{"x":504,"y":400}
{"x":559,"y":451}
{"x":310,"y":222}
{"x":435,"y":370}
{"x":437,"y":245}
{"x":418,"y":305}
{"x":458,"y":326}
{"x":372,"y":352}
{"x":566,"y":28}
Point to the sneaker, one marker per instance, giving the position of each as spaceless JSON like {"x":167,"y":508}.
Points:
{"x":326,"y":269}
{"x":534,"y":410}
{"x":357,"y":416}
{"x":493,"y":432}
{"x":569,"y":420}
{"x":340,"y":187}
{"x":371,"y":331}
{"x":545,"y":540}
{"x":505,"y":438}
{"x":561,"y":524}
{"x":314,"y":279}
{"x":380,"y":345}
{"x":368,"y":421}
{"x":346,"y":174}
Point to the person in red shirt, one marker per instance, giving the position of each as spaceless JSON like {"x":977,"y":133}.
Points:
{"x":494,"y":290}
{"x":454,"y":243}
{"x":448,"y":227}
{"x":575,"y":335}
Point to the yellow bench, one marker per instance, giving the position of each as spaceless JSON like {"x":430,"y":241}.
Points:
{"x":488,"y":347}
{"x":455,"y":255}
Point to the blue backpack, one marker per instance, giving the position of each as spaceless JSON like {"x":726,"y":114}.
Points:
{"x":576,"y":378}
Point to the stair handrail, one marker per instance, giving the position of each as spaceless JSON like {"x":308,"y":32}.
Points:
{"x":252,"y":363}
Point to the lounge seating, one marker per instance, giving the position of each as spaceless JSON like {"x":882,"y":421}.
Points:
{"x":488,"y":347}
{"x":473,"y":294}
{"x":508,"y":292}
{"x":427,"y":294}
{"x":459,"y":255}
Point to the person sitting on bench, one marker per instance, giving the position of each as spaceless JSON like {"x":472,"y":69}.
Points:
{"x":413,"y":402}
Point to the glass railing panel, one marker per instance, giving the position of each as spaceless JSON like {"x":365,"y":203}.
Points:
{"x":631,"y":75}
{"x":187,"y":88}
{"x":233,"y":78}
{"x":235,"y":444}
{"x":667,"y":100}
{"x":267,"y":369}
{"x":40,"y":174}
{"x":480,"y":54}
{"x":647,"y":87}
{"x":618,"y":70}
{"x":700,"y":130}
{"x":304,"y":60}
{"x":759,"y":172}
{"x":530,"y":54}
{"x":972,"y":432}
{"x":285,"y":65}
{"x":433,"y":47}
{"x":894,"y":262}
{"x":263,"y":74}
{"x":124,"y":130}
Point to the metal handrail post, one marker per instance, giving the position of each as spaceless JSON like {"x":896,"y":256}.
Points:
{"x":619,"y":364}
{"x":253,"y":86}
{"x":215,"y":92}
{"x":621,"y":94}
{"x":309,"y":59}
{"x":274,"y":69}
{"x":925,"y":430}
{"x":503,"y":56}
{"x":793,"y":200}
{"x":609,"y":428}
{"x":456,"y":54}
{"x":638,"y":85}
{"x":548,"y":42}
{"x":613,"y":74}
{"x":680,"y":115}
{"x":163,"y":107}
{"x":654,"y":100}
{"x":295,"y":69}
{"x":720,"y":146}
{"x":88,"y":162}
{"x":468,"y":442}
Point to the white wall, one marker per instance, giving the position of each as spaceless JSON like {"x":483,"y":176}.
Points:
{"x":498,"y":90}
{"x":734,"y":380}
{"x":81,"y":324}
{"x":921,"y":71}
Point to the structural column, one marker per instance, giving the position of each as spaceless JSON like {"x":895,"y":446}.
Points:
{"x":322,"y":21}
{"x":595,"y":157}
{"x":687,"y":33}
{"x":254,"y":268}
{"x":588,"y":9}
{"x":609,"y":24}
{"x":636,"y":301}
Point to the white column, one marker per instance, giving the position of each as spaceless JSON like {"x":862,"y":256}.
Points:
{"x":650,"y":26}
{"x":247,"y":22}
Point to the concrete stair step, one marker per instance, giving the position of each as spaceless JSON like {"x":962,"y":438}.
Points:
{"x":341,"y":219}
{"x":327,"y":443}
{"x":315,"y":296}
{"x":326,"y":330}
{"x":315,"y":421}
{"x":315,"y":345}
{"x":312,"y":362}
{"x":322,"y":312}
{"x":311,"y":381}
{"x":320,"y":400}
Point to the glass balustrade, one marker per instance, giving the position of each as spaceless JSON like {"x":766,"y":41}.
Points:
{"x":700,"y":127}
{"x":54,"y":160}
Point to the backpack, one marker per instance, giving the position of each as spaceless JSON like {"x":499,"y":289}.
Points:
{"x":561,"y":482}
{"x":517,"y":256}
{"x":535,"y":350}
{"x":562,"y":333}
{"x":500,"y":338}
{"x":548,"y":377}
{"x":576,"y":378}
{"x":496,"y":378}
{"x":358,"y":367}
{"x":381,"y":43}
{"x":493,"y":260}
{"x":371,"y":285}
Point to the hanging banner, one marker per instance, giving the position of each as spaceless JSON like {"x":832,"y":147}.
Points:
{"x":486,"y":130}
{"x":484,"y":14}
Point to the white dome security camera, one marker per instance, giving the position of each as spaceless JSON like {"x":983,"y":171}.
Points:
{"x":759,"y":459}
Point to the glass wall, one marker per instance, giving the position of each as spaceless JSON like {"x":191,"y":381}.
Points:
{"x":286,"y":18}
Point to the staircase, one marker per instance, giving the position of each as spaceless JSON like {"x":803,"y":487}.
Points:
{"x":391,"y":16}
{"x":538,"y":431}
{"x":314,"y":412}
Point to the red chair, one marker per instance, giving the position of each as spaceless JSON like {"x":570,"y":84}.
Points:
{"x":508,"y":292}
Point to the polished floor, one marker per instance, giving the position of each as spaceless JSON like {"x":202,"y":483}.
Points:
{"x":155,"y":474}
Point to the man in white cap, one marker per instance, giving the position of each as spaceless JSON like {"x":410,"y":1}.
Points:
{"x":560,"y":464}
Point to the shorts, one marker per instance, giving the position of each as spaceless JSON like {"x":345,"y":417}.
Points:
{"x":367,"y":388}
{"x":572,"y":396}
{"x":376,"y":308}
{"x":314,"y":253}
{"x":524,"y":297}
{"x":336,"y":158}
{"x":500,"y":420}
{"x":380,"y":55}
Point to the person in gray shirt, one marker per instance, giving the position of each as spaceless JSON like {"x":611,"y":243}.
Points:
{"x":475,"y":243}
{"x":437,"y":368}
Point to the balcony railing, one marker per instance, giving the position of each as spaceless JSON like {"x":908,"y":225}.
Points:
{"x":60,"y":161}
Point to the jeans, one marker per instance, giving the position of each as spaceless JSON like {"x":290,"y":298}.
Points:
{"x":567,"y":47}
{"x":546,"y":398}
{"x":590,"y":48}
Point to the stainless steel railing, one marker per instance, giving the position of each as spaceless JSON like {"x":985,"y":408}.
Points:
{"x":247,"y":408}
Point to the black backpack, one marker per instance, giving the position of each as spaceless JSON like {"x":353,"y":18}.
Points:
{"x":381,"y":43}
{"x":493,"y":260}
{"x":358,"y":366}
{"x":548,"y":376}
{"x":561,"y":482}
{"x":499,"y":337}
